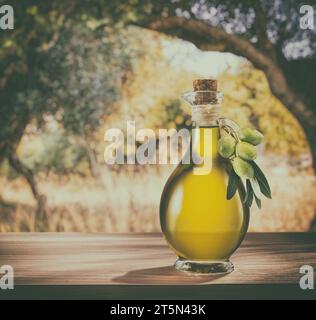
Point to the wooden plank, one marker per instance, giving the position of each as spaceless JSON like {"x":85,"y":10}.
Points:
{"x":131,"y":260}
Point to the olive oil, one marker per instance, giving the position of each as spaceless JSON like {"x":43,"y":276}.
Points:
{"x":198,"y":222}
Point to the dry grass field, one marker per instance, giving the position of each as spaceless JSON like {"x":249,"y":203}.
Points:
{"x":127,"y":201}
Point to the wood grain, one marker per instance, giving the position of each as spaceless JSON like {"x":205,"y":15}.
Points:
{"x":144,"y":259}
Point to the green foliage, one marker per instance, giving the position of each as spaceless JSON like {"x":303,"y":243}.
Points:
{"x":262,"y":180}
{"x":239,"y":156}
{"x":226,"y":146}
{"x":250,"y":135}
{"x":175,"y":115}
{"x":249,"y":194}
{"x":233,"y":182}
{"x":54,"y":152}
{"x":246,"y":151}
{"x":60,"y":58}
{"x":72,"y":61}
{"x":92,"y":63}
{"x":242,"y":168}
{"x":248,"y":101}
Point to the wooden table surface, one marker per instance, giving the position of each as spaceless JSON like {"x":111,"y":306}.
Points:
{"x":106,"y":266}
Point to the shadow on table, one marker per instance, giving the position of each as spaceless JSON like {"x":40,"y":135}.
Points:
{"x":163,"y":275}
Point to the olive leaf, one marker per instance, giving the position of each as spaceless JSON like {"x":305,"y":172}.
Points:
{"x":262,"y":180}
{"x":249,"y":194}
{"x":258,"y":202}
{"x":244,"y":174}
{"x":233,"y":181}
{"x":255,"y":187}
{"x":242,"y":190}
{"x":256,"y":191}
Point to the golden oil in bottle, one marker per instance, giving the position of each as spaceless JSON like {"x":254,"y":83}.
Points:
{"x":198,"y":222}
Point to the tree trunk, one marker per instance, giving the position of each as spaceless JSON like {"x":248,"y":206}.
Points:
{"x":204,"y":35}
{"x":93,"y":162}
{"x":41,"y":220}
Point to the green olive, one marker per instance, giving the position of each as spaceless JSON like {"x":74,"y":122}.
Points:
{"x":243,"y":168}
{"x":246,"y":151}
{"x":250,"y":135}
{"x":226,"y":146}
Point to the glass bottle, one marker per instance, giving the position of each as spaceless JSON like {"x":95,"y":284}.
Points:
{"x":202,"y":227}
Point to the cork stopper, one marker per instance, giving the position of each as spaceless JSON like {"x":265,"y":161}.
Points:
{"x":206,"y":91}
{"x":205,"y":85}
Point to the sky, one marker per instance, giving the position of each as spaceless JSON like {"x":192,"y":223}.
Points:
{"x":184,"y":55}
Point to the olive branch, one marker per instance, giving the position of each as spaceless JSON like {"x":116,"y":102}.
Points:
{"x":238,"y":146}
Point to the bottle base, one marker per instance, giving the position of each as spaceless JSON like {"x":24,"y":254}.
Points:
{"x":216,"y":267}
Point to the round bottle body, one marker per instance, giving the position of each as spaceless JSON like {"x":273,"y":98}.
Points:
{"x":197,"y":220}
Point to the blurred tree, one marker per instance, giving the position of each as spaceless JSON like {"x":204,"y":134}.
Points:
{"x":62,"y":58}
{"x":70,"y":58}
{"x":266,"y":32}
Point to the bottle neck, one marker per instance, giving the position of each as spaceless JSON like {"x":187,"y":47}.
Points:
{"x":205,"y":107}
{"x":206,"y":115}
{"x":204,"y":141}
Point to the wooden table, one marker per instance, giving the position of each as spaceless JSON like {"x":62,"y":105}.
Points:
{"x":137,"y":266}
